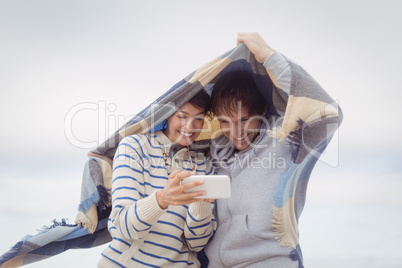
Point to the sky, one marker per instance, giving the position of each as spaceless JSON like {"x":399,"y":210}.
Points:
{"x":71,"y":72}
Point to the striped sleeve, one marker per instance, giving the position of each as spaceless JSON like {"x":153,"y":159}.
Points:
{"x":133,"y":213}
{"x":210,"y":168}
{"x":200,"y":222}
{"x":200,"y":225}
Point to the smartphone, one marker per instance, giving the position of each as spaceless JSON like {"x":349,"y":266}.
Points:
{"x":216,"y":186}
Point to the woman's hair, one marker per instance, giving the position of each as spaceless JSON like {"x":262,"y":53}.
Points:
{"x":235,"y":87}
{"x":201,"y":100}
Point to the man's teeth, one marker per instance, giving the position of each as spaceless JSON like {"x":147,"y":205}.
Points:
{"x":186,"y":134}
{"x":239,"y":139}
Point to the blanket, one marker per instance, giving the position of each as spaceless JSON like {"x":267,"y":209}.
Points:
{"x":303,"y":112}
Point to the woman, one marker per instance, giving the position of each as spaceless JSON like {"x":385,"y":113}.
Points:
{"x":153,"y":222}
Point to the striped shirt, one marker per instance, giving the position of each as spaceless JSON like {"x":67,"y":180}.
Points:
{"x":144,"y":235}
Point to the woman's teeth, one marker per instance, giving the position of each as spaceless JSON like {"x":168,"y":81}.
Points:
{"x":185,"y":134}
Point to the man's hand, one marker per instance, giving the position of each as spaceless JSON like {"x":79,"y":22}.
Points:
{"x":256,"y":45}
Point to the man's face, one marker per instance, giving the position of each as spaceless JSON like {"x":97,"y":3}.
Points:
{"x":240,"y":127}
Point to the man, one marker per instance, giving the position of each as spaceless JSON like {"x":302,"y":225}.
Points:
{"x":269,"y":158}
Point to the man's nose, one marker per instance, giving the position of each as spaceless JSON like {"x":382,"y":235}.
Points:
{"x":236,"y":130}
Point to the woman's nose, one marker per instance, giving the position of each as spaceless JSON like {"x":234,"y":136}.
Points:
{"x":190,"y":124}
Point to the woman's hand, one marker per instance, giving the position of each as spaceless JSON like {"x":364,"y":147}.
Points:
{"x":173,"y":193}
{"x":208,"y":200}
{"x":256,"y":45}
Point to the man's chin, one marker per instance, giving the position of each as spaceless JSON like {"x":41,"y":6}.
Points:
{"x":241,"y":146}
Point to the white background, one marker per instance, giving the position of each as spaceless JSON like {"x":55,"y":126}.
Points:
{"x":115,"y":57}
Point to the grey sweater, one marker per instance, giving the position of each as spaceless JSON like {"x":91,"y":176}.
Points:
{"x":257,"y":225}
{"x":244,"y":237}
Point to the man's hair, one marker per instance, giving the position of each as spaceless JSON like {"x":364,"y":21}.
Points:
{"x":201,"y":100}
{"x":235,"y":87}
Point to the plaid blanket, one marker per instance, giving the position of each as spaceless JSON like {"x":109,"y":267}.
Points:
{"x":303,"y":112}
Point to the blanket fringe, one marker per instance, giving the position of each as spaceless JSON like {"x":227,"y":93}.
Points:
{"x":104,"y":201}
{"x":63,"y":222}
{"x":86,"y":205}
{"x":283,"y":226}
{"x":294,"y":138}
{"x":86,"y":222}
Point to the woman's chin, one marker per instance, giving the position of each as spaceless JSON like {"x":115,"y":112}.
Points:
{"x":187,"y":140}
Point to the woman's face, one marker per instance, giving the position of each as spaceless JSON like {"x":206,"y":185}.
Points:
{"x":184,"y":126}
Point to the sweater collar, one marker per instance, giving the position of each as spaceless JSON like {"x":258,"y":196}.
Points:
{"x":167,"y":146}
